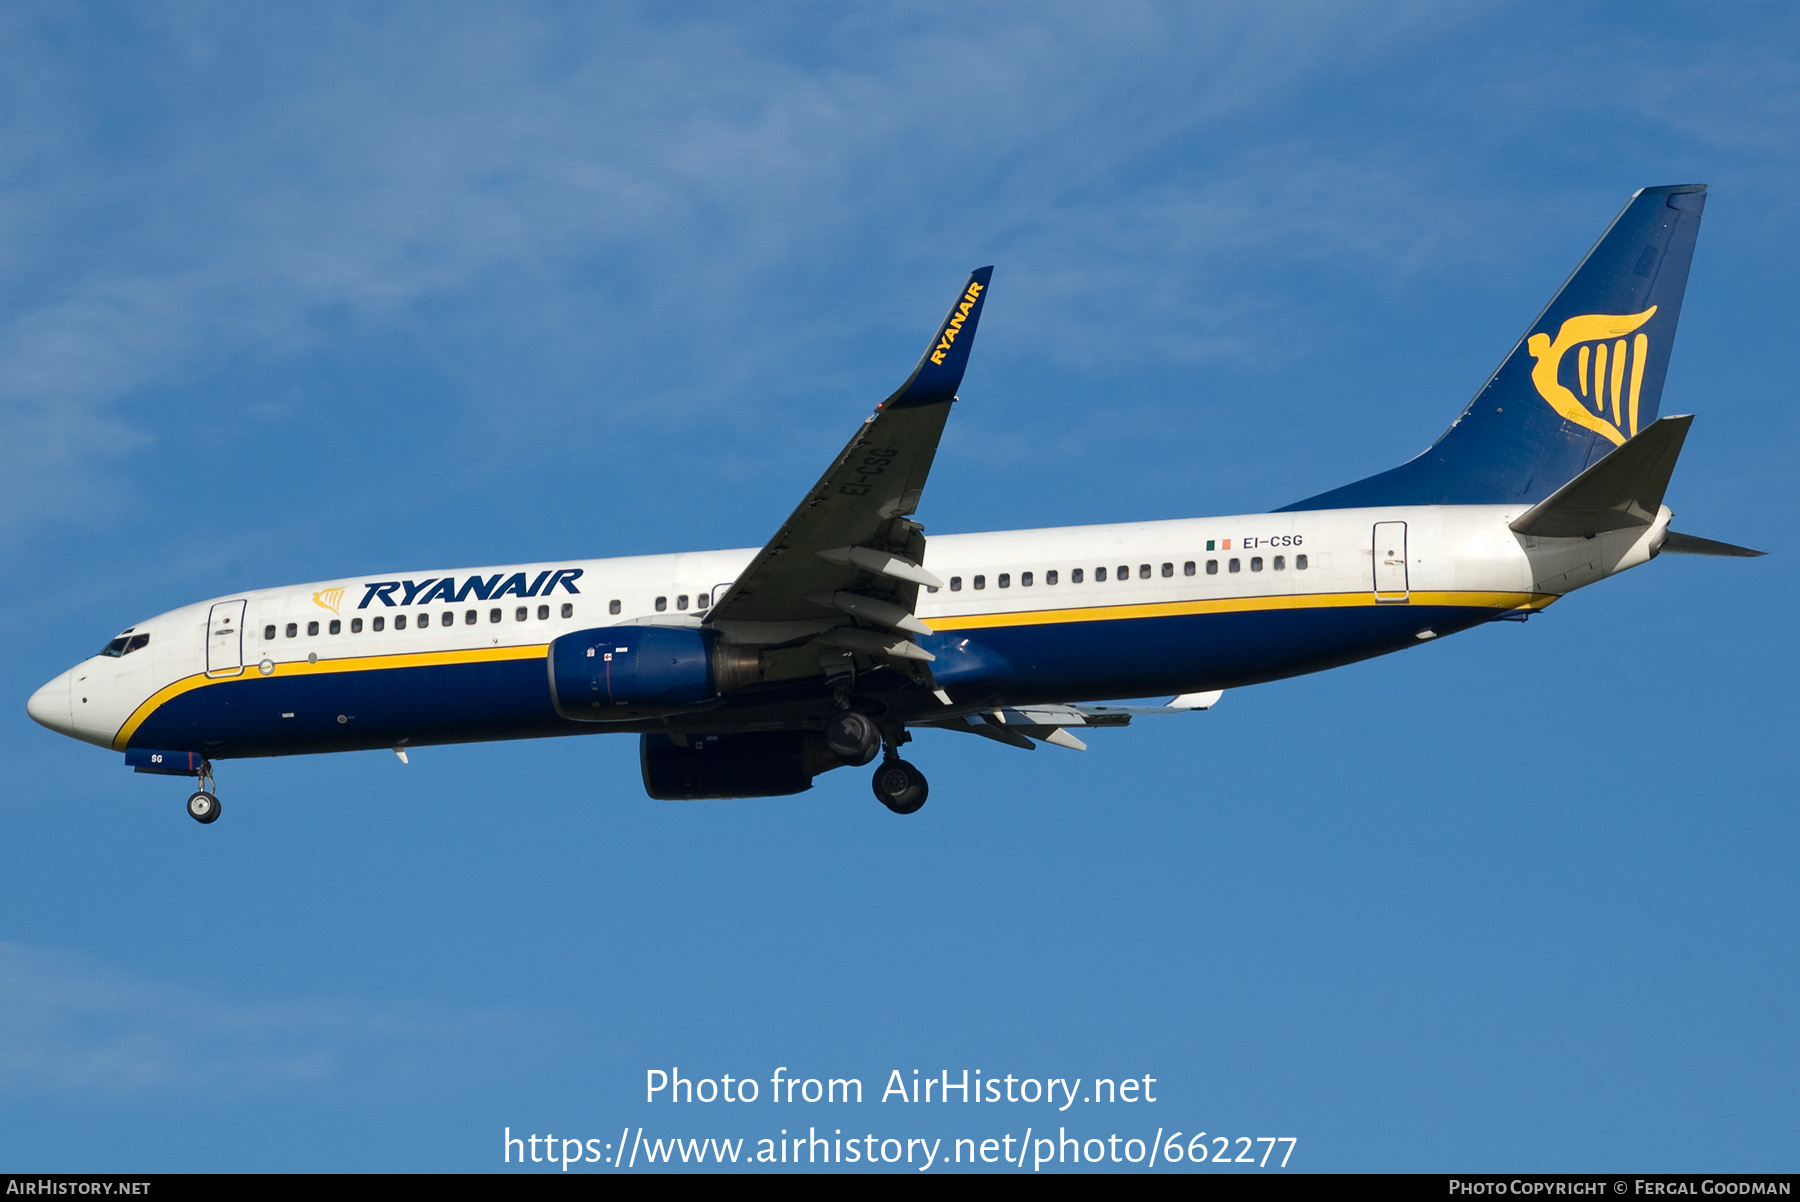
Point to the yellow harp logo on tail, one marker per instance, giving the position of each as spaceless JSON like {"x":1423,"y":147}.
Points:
{"x":1608,"y":371}
{"x":329,"y":598}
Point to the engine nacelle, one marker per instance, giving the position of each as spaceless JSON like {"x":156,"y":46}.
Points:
{"x":618,"y":672}
{"x":761,"y":763}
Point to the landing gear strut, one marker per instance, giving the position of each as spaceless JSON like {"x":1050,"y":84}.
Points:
{"x":899,"y":786}
{"x":203,"y":806}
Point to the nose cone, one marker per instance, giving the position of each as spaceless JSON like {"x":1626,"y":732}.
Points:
{"x":49,"y":706}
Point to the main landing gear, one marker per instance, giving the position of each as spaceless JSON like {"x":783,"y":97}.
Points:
{"x":203,"y":806}
{"x":853,"y":737}
{"x":899,"y":786}
{"x":856,"y":739}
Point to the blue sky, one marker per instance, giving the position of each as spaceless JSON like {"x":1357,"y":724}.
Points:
{"x":298,"y":292}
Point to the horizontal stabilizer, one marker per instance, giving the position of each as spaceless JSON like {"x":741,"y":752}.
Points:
{"x":1687,"y":544}
{"x":1622,"y":491}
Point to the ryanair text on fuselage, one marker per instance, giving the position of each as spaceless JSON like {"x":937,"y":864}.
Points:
{"x":455,"y":590}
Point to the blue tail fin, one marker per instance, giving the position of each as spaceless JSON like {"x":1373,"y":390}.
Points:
{"x":1587,"y":375}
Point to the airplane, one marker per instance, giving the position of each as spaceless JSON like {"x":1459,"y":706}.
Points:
{"x":748,"y":673}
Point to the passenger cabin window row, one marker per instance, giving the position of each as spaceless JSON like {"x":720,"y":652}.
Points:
{"x":1123,"y":572}
{"x":447,"y":618}
{"x":681,"y":603}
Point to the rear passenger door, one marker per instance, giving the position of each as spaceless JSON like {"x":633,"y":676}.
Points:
{"x":1390,"y":561}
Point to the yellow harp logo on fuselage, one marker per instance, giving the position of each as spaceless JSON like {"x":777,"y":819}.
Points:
{"x":1608,"y":371}
{"x":329,"y":598}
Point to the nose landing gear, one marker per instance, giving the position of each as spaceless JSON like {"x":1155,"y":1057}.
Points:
{"x":203,"y":806}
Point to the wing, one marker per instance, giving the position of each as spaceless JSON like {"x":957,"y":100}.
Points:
{"x":1019,"y":725}
{"x":846,"y":566}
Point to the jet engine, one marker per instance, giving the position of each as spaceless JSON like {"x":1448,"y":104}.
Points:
{"x":762,"y":763}
{"x":619,"y":672}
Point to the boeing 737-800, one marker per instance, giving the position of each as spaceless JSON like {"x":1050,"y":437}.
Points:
{"x":749,"y":672}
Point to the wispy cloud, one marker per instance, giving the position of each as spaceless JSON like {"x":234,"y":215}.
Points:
{"x":543,"y":201}
{"x":221,"y":183}
{"x":69,"y":1026}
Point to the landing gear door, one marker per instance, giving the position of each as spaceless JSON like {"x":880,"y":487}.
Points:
{"x":225,"y":639}
{"x":1390,"y":561}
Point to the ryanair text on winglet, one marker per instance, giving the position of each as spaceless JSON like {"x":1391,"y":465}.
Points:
{"x":953,"y":327}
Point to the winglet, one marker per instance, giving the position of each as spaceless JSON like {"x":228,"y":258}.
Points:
{"x":940,"y":371}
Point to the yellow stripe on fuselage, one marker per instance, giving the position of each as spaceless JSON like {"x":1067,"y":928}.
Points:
{"x":987,"y":621}
{"x":1230,"y":605}
{"x":361,"y":663}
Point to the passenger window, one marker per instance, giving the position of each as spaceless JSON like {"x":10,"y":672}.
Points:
{"x":1125,"y":571}
{"x":378,"y":623}
{"x":1187,"y":569}
{"x":138,"y":642}
{"x":1075,"y":576}
{"x":1100,"y":575}
{"x":956,"y":584}
{"x":1235,"y":566}
{"x":493,"y":615}
{"x":355,"y":625}
{"x":1168,"y":569}
{"x":1300,"y":563}
{"x":268,"y":632}
{"x":543,"y":613}
{"x":1212,"y":567}
{"x":1144,"y":571}
{"x":399,"y":622}
{"x":1256,"y":563}
{"x":700,"y":600}
{"x":612,"y":607}
{"x":336,"y":627}
{"x":662,"y":603}
{"x":1024,"y":579}
{"x":568,"y":610}
{"x":312,"y":628}
{"x":1280,"y":563}
{"x":681,"y":601}
{"x":449,"y":617}
{"x":521,"y":613}
{"x":1050,"y":576}
{"x":980,"y":582}
{"x":470,"y":617}
{"x":1005,"y":580}
{"x":931,"y":588}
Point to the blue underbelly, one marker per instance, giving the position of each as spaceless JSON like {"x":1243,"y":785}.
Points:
{"x":1018,"y":664}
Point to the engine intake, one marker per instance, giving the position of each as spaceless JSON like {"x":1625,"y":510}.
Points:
{"x":618,"y":672}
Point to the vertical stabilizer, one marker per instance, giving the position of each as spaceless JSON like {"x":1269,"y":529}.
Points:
{"x":1586,"y":377}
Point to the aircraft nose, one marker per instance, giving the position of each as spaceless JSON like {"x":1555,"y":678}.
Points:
{"x":50,"y":706}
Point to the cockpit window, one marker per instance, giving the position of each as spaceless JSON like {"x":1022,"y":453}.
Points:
{"x":125,"y":644}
